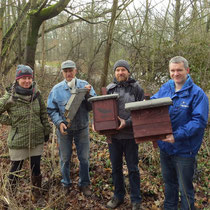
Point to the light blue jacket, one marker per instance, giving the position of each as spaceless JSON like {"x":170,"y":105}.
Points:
{"x":189,"y":117}
{"x":58,"y":99}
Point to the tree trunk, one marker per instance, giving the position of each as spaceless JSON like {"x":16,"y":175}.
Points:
{"x":109,"y":43}
{"x":43,"y":51}
{"x":19,"y":37}
{"x":177,"y":22}
{"x":32,"y":38}
{"x":9,"y":39}
{"x":91,"y":44}
{"x":2,"y":9}
{"x":36,"y":18}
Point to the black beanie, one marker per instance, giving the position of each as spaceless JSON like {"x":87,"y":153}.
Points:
{"x":23,"y":71}
{"x":122,"y":63}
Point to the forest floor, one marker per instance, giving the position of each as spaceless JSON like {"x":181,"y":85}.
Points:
{"x":152,"y":189}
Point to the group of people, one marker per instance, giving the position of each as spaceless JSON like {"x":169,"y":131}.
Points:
{"x":28,"y":117}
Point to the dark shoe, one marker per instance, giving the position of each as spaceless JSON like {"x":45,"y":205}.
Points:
{"x":85,"y":190}
{"x":36,"y":190}
{"x":135,"y":206}
{"x":114,"y":203}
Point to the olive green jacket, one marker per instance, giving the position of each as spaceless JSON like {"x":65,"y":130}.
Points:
{"x":28,"y":120}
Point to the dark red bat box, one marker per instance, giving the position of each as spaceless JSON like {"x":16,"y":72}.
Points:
{"x":150,"y":119}
{"x":105,"y":113}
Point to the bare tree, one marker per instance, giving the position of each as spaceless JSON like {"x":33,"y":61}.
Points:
{"x":2,"y":9}
{"x":109,"y":43}
{"x":110,"y":38}
{"x":145,"y":35}
{"x":9,"y":39}
{"x":177,"y":22}
{"x":38,"y":14}
{"x":91,"y":44}
{"x":36,"y":18}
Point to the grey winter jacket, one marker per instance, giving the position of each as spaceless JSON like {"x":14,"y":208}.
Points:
{"x":129,"y":91}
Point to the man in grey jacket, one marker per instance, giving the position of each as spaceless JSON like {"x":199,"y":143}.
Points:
{"x":123,"y":142}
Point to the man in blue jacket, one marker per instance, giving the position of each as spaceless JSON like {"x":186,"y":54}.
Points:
{"x":79,"y":129}
{"x":189,"y":116}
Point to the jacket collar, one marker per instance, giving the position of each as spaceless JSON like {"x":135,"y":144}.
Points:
{"x":65,"y":83}
{"x":185,"y":88}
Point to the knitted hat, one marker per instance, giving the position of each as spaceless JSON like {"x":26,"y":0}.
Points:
{"x":68,"y":64}
{"x":23,"y":71}
{"x":122,"y":63}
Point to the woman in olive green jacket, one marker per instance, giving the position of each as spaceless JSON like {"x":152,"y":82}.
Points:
{"x":27,"y":116}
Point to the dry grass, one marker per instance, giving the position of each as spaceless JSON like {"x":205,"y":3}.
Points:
{"x":100,"y":170}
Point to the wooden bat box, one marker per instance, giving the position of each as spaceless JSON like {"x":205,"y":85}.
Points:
{"x":105,"y":113}
{"x":150,"y":119}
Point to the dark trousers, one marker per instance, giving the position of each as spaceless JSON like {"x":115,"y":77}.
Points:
{"x":17,"y":165}
{"x":129,"y":148}
{"x":178,"y":176}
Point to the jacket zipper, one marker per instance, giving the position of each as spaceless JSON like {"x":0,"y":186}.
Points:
{"x":15,"y":133}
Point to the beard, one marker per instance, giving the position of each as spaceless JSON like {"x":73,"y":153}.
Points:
{"x":122,"y":78}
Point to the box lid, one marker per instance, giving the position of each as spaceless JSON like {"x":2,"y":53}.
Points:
{"x":79,"y":90}
{"x":149,"y":103}
{"x":103,"y":97}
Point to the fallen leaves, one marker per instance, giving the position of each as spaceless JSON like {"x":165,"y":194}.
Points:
{"x":152,"y":189}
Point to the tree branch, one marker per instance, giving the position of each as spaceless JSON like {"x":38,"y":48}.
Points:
{"x":77,"y":20}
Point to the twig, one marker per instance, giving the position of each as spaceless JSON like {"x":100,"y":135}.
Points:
{"x":55,"y":201}
{"x":53,"y":146}
{"x":98,"y":141}
{"x":206,"y":146}
{"x":4,"y":156}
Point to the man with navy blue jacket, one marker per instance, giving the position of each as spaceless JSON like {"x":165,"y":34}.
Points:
{"x":189,"y":116}
{"x":79,"y":129}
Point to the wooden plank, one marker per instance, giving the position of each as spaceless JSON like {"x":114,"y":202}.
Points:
{"x":150,"y":138}
{"x":108,"y":132}
{"x":150,"y":116}
{"x":106,"y":125}
{"x":152,"y":129}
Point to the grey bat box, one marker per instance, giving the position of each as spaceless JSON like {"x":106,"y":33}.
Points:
{"x":74,"y":103}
